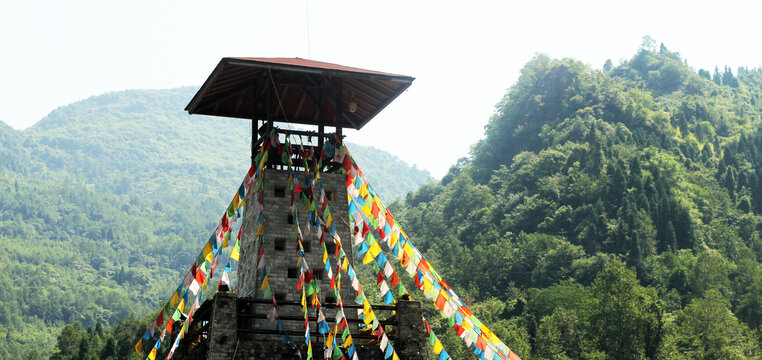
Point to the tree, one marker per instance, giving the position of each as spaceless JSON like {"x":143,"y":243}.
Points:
{"x":730,"y":182}
{"x":648,"y":43}
{"x":707,"y":329}
{"x":705,"y":74}
{"x":626,"y":316}
{"x":607,"y":66}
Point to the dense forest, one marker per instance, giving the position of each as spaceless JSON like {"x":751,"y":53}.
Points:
{"x":608,"y":214}
{"x":105,"y":202}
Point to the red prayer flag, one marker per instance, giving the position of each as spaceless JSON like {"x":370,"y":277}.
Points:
{"x":225,"y":223}
{"x":380,"y":278}
{"x":395,"y":279}
{"x":308,"y":276}
{"x":365,"y":229}
{"x":200,"y":277}
{"x":405,"y":259}
{"x":458,"y":329}
{"x":374,"y":210}
{"x":389,"y":218}
{"x":160,"y":318}
{"x":480,"y":343}
{"x":440,"y":303}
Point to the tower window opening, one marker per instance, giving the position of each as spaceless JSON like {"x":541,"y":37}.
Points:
{"x":280,"y":244}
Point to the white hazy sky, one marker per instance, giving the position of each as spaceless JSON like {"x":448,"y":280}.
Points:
{"x":464,"y":54}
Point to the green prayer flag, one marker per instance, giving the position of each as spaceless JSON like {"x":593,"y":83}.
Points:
{"x":268,"y":293}
{"x":284,"y":158}
{"x":337,"y":353}
{"x":432,"y":338}
{"x":231,"y":210}
{"x":360,"y":299}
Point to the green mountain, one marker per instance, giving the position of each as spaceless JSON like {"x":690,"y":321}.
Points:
{"x":106,"y":201}
{"x":608,"y":214}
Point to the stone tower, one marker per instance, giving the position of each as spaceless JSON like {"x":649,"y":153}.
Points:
{"x":283,"y":96}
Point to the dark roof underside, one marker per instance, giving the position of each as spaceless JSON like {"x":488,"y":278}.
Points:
{"x":295,"y":90}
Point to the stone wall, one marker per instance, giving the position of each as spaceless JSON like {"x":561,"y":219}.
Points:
{"x":224,"y":342}
{"x":280,"y":245}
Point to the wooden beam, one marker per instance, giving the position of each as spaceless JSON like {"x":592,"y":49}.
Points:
{"x":221,"y":97}
{"x":299,"y":106}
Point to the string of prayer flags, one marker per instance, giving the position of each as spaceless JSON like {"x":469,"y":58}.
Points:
{"x":366,"y":313}
{"x":436,"y":345}
{"x":366,"y":207}
{"x":202,"y":270}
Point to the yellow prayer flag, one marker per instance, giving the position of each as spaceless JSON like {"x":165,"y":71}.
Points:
{"x":152,"y":355}
{"x":259,"y":230}
{"x":347,"y":342}
{"x":329,"y":341}
{"x":236,"y":251}
{"x":466,"y":325}
{"x":174,"y":299}
{"x":139,"y":346}
{"x":426,"y":285}
{"x":369,"y":318}
{"x":438,"y":347}
{"x":235,"y":201}
{"x":374,"y":250}
{"x":328,"y":220}
{"x":407,"y":249}
{"x":393,"y":241}
{"x":366,"y":210}
{"x":265,"y":283}
{"x":208,"y":252}
{"x":368,"y":258}
{"x":227,"y":240}
{"x":344,"y":264}
{"x":325,"y":256}
{"x":394,"y":356}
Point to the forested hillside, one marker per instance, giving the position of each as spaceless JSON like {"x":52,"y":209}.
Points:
{"x":105,"y":201}
{"x":608,"y":214}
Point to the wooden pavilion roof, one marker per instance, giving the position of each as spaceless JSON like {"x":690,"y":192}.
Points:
{"x":297,"y":91}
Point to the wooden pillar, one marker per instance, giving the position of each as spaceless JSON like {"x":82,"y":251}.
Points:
{"x":321,"y":121}
{"x":339,"y":106}
{"x":254,"y":137}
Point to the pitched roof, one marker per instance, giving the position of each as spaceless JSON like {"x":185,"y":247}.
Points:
{"x":296,"y":90}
